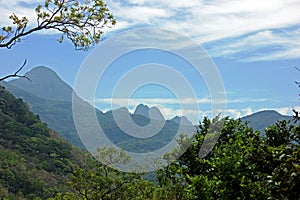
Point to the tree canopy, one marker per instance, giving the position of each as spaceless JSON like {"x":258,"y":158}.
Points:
{"x":81,"y":23}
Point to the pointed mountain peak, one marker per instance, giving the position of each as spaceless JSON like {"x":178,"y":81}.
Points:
{"x":45,"y":84}
{"x":153,"y":112}
{"x":142,"y":109}
{"x":181,"y":120}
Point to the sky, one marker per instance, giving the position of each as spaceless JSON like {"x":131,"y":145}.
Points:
{"x":255,"y":46}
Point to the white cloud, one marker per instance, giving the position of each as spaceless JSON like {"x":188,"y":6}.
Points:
{"x":282,"y":45}
{"x":171,"y":107}
{"x":168,"y":101}
{"x":237,"y":26}
{"x":7,"y":7}
{"x":218,"y":20}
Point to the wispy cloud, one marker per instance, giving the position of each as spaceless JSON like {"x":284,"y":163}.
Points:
{"x":172,"y":107}
{"x":166,"y":101}
{"x":21,"y":8}
{"x":197,"y":115}
{"x":243,"y":25}
{"x":228,"y":28}
{"x":263,"y":45}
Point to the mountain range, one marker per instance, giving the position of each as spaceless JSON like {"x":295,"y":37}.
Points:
{"x":260,"y":120}
{"x":51,"y":98}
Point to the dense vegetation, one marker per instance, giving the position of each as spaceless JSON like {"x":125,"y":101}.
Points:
{"x":242,"y":165}
{"x":35,"y":163}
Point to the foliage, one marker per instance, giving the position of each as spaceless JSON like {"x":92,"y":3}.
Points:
{"x":242,"y":165}
{"x":81,"y":23}
{"x":104,"y":182}
{"x":34,"y":162}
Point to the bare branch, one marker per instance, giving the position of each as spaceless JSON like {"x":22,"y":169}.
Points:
{"x":16,"y":74}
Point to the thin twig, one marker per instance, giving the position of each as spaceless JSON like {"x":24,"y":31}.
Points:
{"x":16,"y":74}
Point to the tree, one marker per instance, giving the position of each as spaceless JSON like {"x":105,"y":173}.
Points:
{"x":296,"y":112}
{"x":81,"y":23}
{"x":103,"y":182}
{"x":242,"y":165}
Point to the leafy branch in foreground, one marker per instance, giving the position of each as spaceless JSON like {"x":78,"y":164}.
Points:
{"x":81,"y":23}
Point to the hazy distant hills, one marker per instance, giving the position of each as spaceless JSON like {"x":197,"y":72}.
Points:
{"x":142,"y":110}
{"x":50,"y":98}
{"x":45,"y":84}
{"x":260,"y":120}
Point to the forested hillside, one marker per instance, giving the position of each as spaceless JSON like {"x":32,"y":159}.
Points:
{"x":34,"y":160}
{"x":57,"y":114}
{"x":37,"y":164}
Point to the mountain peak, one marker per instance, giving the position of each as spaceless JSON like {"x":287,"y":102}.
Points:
{"x":153,"y":112}
{"x":142,"y":109}
{"x":45,"y":84}
{"x":260,"y":120}
{"x":40,"y":69}
{"x":181,"y":120}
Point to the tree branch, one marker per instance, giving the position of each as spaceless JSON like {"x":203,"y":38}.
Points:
{"x":112,"y":189}
{"x":16,"y":73}
{"x":13,"y":40}
{"x":79,"y":22}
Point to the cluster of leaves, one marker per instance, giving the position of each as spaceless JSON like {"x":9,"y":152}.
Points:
{"x":242,"y":165}
{"x":104,"y":182}
{"x":81,"y":23}
{"x":34,"y":162}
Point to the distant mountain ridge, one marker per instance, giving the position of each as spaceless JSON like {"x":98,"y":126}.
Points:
{"x":45,"y":83}
{"x":142,"y":109}
{"x":181,"y":120}
{"x":51,"y":98}
{"x":262,"y":119}
{"x":152,"y":112}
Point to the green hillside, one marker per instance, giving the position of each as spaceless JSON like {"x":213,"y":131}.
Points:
{"x":57,"y":114}
{"x":34,"y":161}
{"x":36,"y":164}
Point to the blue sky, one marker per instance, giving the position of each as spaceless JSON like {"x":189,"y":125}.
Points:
{"x":254,"y":44}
